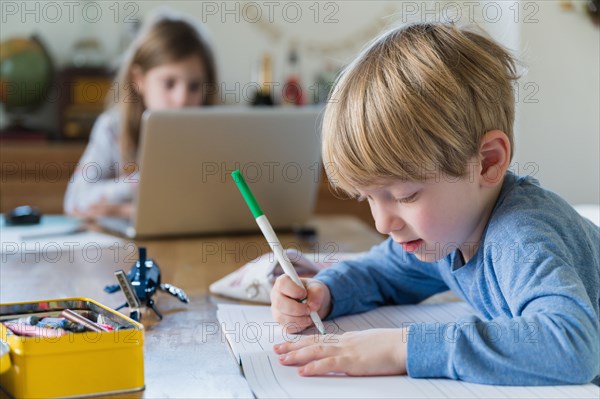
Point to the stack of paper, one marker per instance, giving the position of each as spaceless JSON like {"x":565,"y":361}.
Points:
{"x":252,"y":332}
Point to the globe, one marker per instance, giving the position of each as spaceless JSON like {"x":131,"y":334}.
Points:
{"x":26,"y":74}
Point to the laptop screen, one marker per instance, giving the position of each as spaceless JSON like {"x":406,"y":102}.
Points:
{"x":186,"y":158}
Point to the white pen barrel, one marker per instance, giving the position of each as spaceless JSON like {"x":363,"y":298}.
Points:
{"x":277,"y":249}
{"x":285,"y":263}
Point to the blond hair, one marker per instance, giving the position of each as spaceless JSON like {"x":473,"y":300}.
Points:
{"x":165,"y":41}
{"x":418,"y":99}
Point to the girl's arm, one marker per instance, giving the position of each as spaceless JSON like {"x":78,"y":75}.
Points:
{"x":97,"y":181}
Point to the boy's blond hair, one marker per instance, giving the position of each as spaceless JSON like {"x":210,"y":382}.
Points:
{"x":417,"y":100}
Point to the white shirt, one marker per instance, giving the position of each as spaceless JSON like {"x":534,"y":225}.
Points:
{"x":97,"y":176}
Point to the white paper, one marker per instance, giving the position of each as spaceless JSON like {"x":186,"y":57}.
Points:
{"x":54,"y":234}
{"x":251,"y":332}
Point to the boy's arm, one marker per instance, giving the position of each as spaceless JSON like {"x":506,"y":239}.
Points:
{"x":384,"y":275}
{"x":547,"y":335}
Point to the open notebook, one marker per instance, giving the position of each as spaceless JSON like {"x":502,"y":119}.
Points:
{"x":251,"y":332}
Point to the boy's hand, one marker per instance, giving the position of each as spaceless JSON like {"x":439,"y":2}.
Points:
{"x":292,"y":315}
{"x":371,"y":352}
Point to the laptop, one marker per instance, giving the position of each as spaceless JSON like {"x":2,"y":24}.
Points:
{"x":186,"y":157}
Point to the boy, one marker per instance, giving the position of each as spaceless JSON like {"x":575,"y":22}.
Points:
{"x":421,"y":126}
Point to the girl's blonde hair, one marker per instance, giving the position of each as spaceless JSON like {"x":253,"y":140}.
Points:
{"x":163,"y":41}
{"x":416,"y":101}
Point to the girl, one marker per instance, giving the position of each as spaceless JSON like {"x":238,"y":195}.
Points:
{"x":169,"y":65}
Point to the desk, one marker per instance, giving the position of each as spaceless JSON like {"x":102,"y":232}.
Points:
{"x":183,"y":357}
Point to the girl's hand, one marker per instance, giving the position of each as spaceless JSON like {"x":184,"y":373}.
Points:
{"x":105,"y":208}
{"x":292,"y":315}
{"x":360,"y":353}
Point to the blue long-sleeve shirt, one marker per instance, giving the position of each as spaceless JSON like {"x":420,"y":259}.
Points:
{"x":535,"y":280}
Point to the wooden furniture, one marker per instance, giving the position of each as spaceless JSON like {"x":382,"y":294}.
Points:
{"x":38,"y":173}
{"x":185,"y":353}
{"x":84,"y":92}
{"x":34,"y":173}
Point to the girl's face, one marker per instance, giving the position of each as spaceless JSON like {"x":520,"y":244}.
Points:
{"x":175,"y":85}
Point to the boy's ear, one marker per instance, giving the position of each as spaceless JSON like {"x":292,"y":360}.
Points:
{"x":494,"y":156}
{"x":137,"y":78}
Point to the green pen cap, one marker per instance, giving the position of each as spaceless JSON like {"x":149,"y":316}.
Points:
{"x":246,"y":193}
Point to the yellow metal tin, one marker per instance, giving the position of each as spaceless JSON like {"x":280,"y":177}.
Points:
{"x":4,"y":357}
{"x":75,"y":364}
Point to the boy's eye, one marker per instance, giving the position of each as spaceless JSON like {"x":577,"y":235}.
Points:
{"x":407,"y":200}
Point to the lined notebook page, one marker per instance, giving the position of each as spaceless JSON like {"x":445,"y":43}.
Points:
{"x":252,"y":332}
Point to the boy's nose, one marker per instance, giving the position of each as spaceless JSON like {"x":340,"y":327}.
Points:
{"x":385,"y":220}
